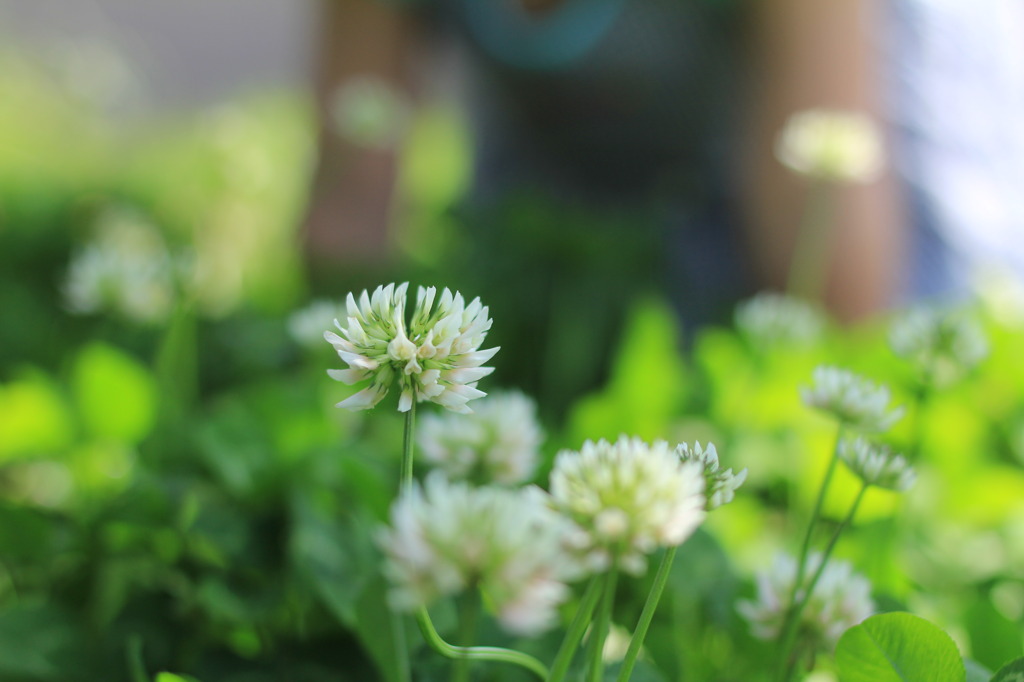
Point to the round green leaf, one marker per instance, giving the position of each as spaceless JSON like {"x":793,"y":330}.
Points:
{"x":1011,"y":672}
{"x":115,"y":394}
{"x":898,"y":647}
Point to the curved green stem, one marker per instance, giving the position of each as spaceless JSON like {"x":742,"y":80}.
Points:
{"x":789,"y":634}
{"x":577,"y":627}
{"x":647,"y":615}
{"x":600,"y":631}
{"x":476,"y":653}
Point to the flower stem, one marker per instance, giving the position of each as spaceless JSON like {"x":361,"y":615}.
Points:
{"x":798,"y":609}
{"x":468,"y":653}
{"x":650,"y":606}
{"x":476,"y":653}
{"x":469,"y":612}
{"x":809,"y":265}
{"x":576,"y":629}
{"x":600,"y":631}
{"x":790,"y":621}
{"x":407,"y":447}
{"x":404,"y":483}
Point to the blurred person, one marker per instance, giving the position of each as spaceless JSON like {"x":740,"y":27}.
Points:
{"x":957,"y":91}
{"x":639,"y":132}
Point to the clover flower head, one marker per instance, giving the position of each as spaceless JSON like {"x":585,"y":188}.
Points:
{"x":448,"y":537}
{"x":719,"y":484}
{"x":778,"y":319}
{"x":853,"y":400}
{"x":942,"y":344}
{"x":498,"y":443}
{"x":435,"y":357}
{"x":627,"y":498}
{"x":876,"y":465}
{"x":127,"y":270}
{"x":837,"y":146}
{"x":840,"y":600}
{"x":370,"y":112}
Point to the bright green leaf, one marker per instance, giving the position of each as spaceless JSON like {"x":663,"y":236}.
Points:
{"x":114,"y":393}
{"x":33,"y":418}
{"x":898,"y":647}
{"x":171,"y":677}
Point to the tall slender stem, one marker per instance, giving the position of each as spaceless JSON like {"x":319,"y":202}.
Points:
{"x":407,"y":447}
{"x":576,"y":629}
{"x":476,"y":653}
{"x":789,"y":634}
{"x":789,"y":621}
{"x":809,"y":265}
{"x":647,"y":615}
{"x":600,"y":631}
{"x":819,"y":502}
{"x":404,"y":483}
{"x":469,"y":612}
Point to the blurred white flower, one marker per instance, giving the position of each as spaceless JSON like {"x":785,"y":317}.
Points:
{"x":839,"y":146}
{"x":126,"y":270}
{"x":370,"y":112}
{"x":306,"y":325}
{"x":853,"y":400}
{"x":719,"y":485}
{"x":876,"y":464}
{"x":498,"y":443}
{"x":942,"y":344}
{"x":449,"y":537}
{"x":627,"y":498}
{"x":777,"y":319}
{"x":436,"y":357}
{"x":840,"y":600}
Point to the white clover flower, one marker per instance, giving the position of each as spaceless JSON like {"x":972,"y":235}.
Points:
{"x":838,"y":146}
{"x":627,"y":498}
{"x":370,"y":112}
{"x":777,"y":319}
{"x":840,"y":600}
{"x":877,"y":465}
{"x":306,"y":325}
{"x":853,"y":400}
{"x":942,"y":344}
{"x":719,"y":485}
{"x":498,"y":443}
{"x":449,"y":537}
{"x":126,"y":270}
{"x":436,"y":357}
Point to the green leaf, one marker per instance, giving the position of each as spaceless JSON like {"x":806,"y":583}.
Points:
{"x":898,"y":647}
{"x":1011,"y":672}
{"x":114,"y":393}
{"x":994,"y":638}
{"x":33,"y":418}
{"x":377,"y":627}
{"x":648,"y":382}
{"x":171,"y":677}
